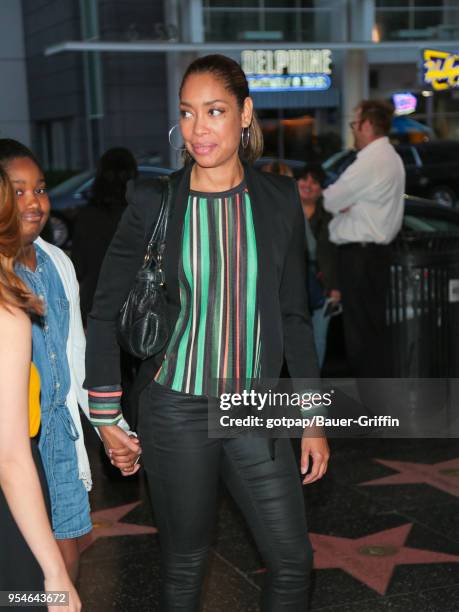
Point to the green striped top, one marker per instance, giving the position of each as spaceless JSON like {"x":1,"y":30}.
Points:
{"x":215,"y":345}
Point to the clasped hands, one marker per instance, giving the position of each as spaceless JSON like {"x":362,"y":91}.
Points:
{"x":122,"y":449}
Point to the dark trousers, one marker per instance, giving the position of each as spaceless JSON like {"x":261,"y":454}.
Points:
{"x":183,"y":466}
{"x":364,"y":277}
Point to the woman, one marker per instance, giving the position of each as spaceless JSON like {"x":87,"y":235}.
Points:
{"x":234,"y":265}
{"x":322,"y":279}
{"x":96,"y":223}
{"x":29,"y":556}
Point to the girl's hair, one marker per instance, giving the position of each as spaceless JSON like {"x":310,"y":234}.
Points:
{"x":116,"y":167}
{"x":229,"y":72}
{"x":11,"y":149}
{"x":13,"y":292}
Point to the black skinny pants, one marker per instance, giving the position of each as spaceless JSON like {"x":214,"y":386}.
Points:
{"x":183,"y":467}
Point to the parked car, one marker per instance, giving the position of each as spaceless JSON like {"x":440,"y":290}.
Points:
{"x":295,"y":165}
{"x":68,"y":197}
{"x":432,"y":169}
{"x":424,"y":215}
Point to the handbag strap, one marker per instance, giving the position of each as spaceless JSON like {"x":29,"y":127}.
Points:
{"x":158,"y":236}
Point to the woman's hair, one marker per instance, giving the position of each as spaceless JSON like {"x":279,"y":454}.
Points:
{"x":116,"y":167}
{"x":13,"y":292}
{"x":315,"y":171}
{"x":230,"y":73}
{"x":11,"y":149}
{"x":277,"y":167}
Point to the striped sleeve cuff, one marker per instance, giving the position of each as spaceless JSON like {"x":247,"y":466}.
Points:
{"x":105,"y":405}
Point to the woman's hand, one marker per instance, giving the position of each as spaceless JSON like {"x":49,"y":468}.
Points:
{"x":318,"y":449}
{"x":123,"y":450}
{"x":61,"y":582}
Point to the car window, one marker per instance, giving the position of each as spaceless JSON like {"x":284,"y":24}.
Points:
{"x":336,"y":161}
{"x":429,"y":224}
{"x":415,"y":224}
{"x":72,"y":184}
{"x":437,"y":154}
{"x":86,"y":186}
{"x":153,"y":172}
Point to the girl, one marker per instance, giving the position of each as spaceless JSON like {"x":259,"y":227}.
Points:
{"x":234,"y":265}
{"x":29,"y":556}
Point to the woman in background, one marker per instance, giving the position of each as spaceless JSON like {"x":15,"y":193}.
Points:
{"x":96,"y":223}
{"x":322,"y":279}
{"x":29,"y":555}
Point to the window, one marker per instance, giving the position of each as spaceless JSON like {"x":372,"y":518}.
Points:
{"x":55,"y":144}
{"x":438,"y":154}
{"x":416,"y":19}
{"x":267,"y":20}
{"x":430,"y":224}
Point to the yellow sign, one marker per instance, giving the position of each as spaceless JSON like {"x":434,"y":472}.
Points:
{"x":441,"y":69}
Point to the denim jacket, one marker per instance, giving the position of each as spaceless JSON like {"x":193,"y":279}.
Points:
{"x":49,"y":338}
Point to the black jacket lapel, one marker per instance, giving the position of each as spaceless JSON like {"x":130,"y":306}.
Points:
{"x":180,"y":192}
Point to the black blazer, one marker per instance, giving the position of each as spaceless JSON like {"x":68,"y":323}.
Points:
{"x":279,"y":230}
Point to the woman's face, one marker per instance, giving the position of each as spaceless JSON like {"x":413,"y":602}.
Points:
{"x":211,"y":120}
{"x":309,"y":188}
{"x":31,"y":196}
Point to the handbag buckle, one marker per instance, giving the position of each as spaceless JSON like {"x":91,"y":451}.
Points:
{"x":147,"y":257}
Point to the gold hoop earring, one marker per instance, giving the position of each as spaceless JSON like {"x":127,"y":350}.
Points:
{"x":171,"y":131}
{"x":245,"y":137}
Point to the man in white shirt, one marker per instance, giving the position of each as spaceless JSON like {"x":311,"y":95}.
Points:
{"x":367,"y":206}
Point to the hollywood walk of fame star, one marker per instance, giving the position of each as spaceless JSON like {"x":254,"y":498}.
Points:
{"x":106,"y":523}
{"x":443,"y":475}
{"x":373,"y":558}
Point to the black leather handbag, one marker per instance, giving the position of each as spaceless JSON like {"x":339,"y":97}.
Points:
{"x":143,"y":325}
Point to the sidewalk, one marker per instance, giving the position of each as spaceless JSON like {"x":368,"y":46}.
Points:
{"x":384,"y":524}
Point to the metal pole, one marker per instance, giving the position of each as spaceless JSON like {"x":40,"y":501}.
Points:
{"x":280,"y":134}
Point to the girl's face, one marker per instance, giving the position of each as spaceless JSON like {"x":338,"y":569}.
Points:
{"x":31,"y":196}
{"x":309,"y":188}
{"x":211,"y":120}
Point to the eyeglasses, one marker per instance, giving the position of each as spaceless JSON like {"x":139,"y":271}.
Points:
{"x":352,"y":124}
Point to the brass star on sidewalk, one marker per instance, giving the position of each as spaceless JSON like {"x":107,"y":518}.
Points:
{"x":106,"y":523}
{"x":373,"y":558}
{"x":443,"y":475}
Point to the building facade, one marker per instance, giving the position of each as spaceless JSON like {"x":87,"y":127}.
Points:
{"x":14,"y":103}
{"x":106,"y":72}
{"x":82,"y":104}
